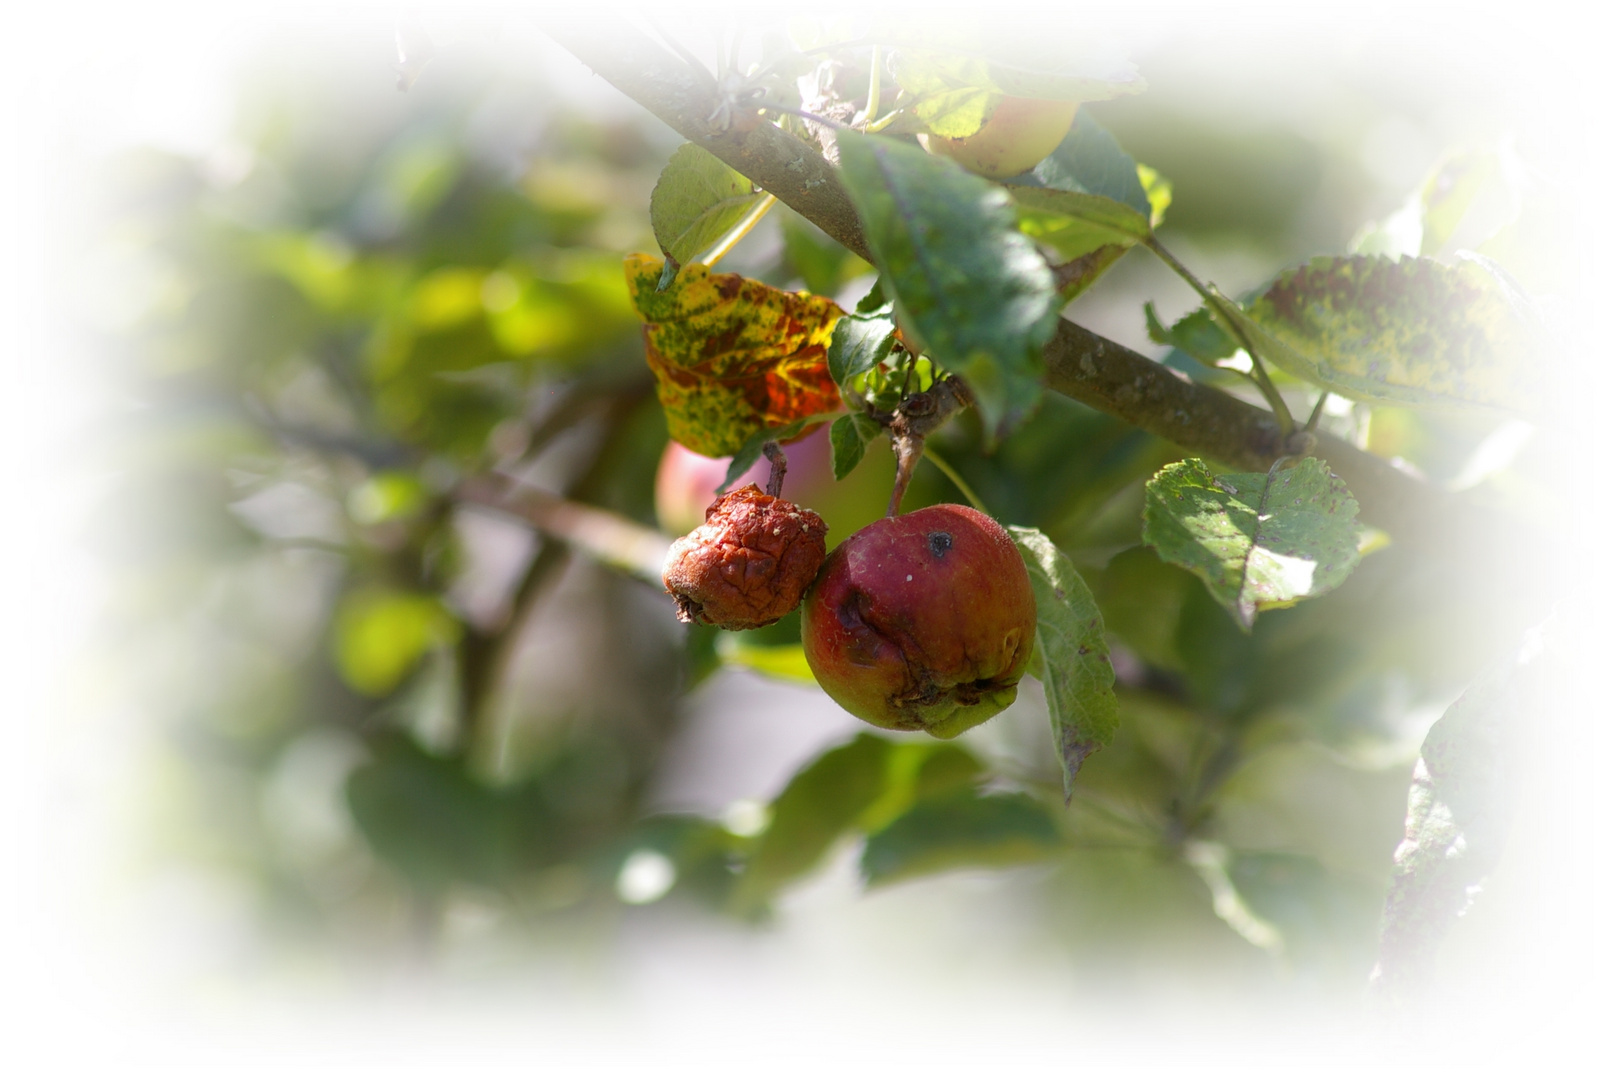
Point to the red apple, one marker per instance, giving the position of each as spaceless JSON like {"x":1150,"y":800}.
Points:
{"x":923,"y":622}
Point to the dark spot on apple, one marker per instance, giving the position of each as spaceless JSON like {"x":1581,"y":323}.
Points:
{"x":939,"y":543}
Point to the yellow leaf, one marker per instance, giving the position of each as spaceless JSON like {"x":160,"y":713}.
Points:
{"x":732,"y":356}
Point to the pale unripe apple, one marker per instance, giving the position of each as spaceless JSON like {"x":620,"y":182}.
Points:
{"x":1020,"y":133}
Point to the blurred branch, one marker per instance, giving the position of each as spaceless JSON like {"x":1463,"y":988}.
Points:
{"x":1080,"y":364}
{"x":611,"y":539}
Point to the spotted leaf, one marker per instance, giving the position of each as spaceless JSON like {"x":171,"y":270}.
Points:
{"x":732,"y":356}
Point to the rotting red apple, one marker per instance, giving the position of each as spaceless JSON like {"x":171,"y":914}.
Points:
{"x":1018,"y":134}
{"x":923,"y":622}
{"x":748,"y":564}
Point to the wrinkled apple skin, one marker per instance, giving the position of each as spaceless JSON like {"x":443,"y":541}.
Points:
{"x":1020,"y":133}
{"x":748,"y":564}
{"x":923,"y":622}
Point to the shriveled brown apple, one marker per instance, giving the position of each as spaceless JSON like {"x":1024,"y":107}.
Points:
{"x":923,"y":622}
{"x":748,"y":564}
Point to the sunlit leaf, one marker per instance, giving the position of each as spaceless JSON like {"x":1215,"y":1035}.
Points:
{"x":959,"y":831}
{"x":1158,"y":192}
{"x":1255,"y":539}
{"x":379,"y":635}
{"x":697,"y":201}
{"x":732,"y":356}
{"x":966,"y":285}
{"x":1461,"y":806}
{"x":1071,"y":656}
{"x":1415,"y":332}
{"x":777,"y":661}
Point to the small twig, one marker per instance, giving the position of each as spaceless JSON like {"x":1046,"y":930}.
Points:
{"x":778,"y":466}
{"x":917,"y":416}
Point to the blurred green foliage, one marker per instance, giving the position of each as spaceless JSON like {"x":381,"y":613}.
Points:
{"x":369,"y":297}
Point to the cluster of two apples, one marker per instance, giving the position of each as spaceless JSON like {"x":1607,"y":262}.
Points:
{"x":920,"y":622}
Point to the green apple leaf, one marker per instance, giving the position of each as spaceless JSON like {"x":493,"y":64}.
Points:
{"x":1257,"y":540}
{"x":965,"y":284}
{"x":697,"y":201}
{"x":1462,"y":801}
{"x":849,"y":436}
{"x":1414,"y":332}
{"x":1071,"y":656}
{"x":1089,"y":161}
{"x":960,"y":830}
{"x":859,"y":343}
{"x":1198,"y":334}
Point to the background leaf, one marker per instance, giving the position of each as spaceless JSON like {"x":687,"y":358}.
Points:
{"x":960,"y":830}
{"x":1071,"y":655}
{"x":732,"y":356}
{"x":861,"y":785}
{"x":1461,"y":804}
{"x":380,"y":634}
{"x":1255,"y":539}
{"x":697,"y":201}
{"x":966,"y":285}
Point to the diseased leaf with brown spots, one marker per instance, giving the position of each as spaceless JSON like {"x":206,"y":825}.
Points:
{"x":1415,"y":332}
{"x":732,"y":356}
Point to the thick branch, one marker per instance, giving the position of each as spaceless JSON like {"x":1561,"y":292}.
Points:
{"x":1080,"y":364}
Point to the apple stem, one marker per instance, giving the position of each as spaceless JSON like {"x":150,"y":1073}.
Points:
{"x":917,"y":416}
{"x":909,"y":449}
{"x":778,"y":466}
